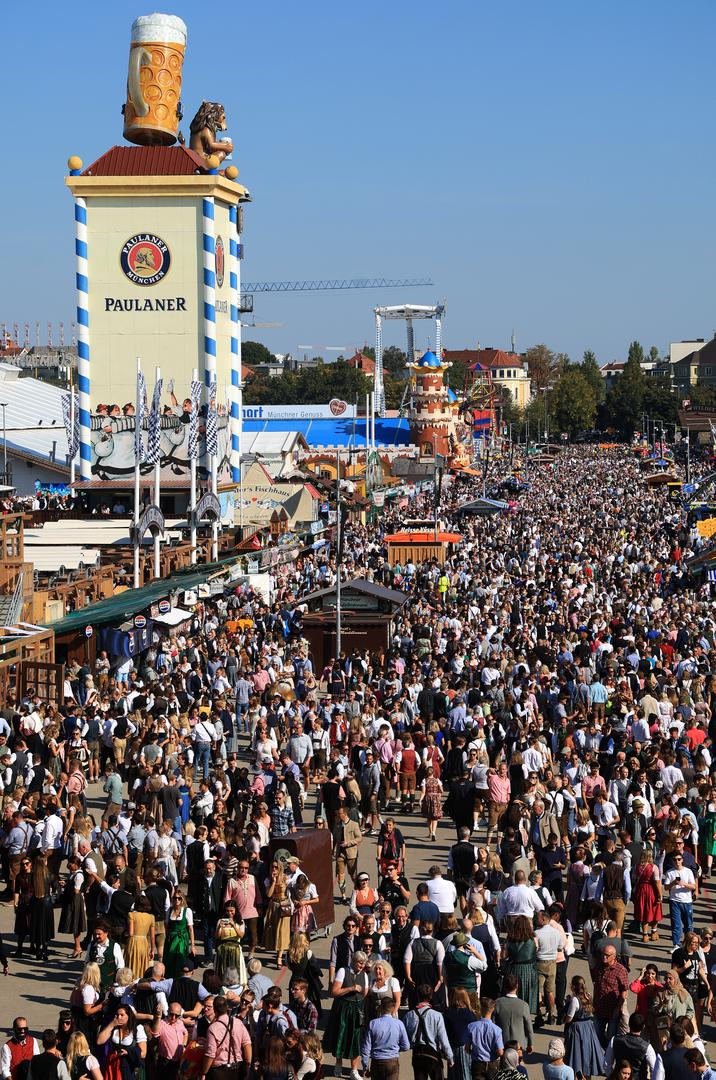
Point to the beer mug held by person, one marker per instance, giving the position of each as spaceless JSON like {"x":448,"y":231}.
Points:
{"x":152,"y":110}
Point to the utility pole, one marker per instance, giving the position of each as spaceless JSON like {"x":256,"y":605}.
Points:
{"x":688,"y":456}
{"x":435,"y":500}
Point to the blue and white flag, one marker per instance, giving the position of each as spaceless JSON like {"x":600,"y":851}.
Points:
{"x":72,"y":424}
{"x":155,"y":425}
{"x":139,"y":417}
{"x":212,"y":442}
{"x":195,"y":397}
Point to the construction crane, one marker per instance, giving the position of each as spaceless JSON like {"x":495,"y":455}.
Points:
{"x":326,"y":348}
{"x":246,"y":302}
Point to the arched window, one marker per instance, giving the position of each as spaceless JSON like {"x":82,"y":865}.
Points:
{"x":428,"y":449}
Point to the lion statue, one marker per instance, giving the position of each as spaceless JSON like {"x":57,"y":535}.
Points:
{"x":202,"y":138}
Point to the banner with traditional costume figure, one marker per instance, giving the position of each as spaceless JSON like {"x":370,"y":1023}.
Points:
{"x":167,"y":431}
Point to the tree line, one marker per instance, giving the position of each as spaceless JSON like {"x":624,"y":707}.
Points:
{"x":573,"y":393}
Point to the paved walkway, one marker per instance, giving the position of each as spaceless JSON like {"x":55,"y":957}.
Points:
{"x":39,"y":990}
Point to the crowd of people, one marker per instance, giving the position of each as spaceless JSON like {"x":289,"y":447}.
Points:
{"x":547,"y":705}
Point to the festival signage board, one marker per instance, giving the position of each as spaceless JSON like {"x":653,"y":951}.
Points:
{"x":335,"y":410}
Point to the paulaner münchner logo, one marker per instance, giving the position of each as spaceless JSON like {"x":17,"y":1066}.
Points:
{"x":145,"y":259}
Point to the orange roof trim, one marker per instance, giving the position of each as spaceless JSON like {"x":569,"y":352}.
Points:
{"x":423,"y":538}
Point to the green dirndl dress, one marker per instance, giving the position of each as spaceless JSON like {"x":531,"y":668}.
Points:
{"x":708,"y":832}
{"x":522,"y":962}
{"x":229,"y":954}
{"x":177,"y":946}
{"x":343,"y":1030}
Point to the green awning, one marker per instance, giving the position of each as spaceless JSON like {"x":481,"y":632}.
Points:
{"x":126,"y":604}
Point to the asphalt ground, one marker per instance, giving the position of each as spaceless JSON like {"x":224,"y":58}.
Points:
{"x":39,"y":990}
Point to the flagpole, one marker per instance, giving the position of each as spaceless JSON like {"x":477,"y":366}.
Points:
{"x":192,"y":491}
{"x":137,"y":419}
{"x":157,"y":495}
{"x":240,"y":411}
{"x":214,"y":463}
{"x":72,"y":430}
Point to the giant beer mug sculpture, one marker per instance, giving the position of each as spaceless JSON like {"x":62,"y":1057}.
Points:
{"x":152,"y":111}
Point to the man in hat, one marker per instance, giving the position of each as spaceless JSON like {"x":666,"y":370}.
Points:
{"x":464,"y":962}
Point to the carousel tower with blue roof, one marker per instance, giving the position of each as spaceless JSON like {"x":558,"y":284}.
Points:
{"x":432,"y":414}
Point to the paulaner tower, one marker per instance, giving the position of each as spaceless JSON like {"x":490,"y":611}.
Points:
{"x":158,"y":245}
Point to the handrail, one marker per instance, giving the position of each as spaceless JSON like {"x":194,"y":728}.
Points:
{"x":17,"y":600}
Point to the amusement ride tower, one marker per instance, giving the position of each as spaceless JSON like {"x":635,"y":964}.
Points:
{"x":432,"y":414}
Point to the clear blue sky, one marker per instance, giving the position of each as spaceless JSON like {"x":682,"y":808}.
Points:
{"x":550,"y":166}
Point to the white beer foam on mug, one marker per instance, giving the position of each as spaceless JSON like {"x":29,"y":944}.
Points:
{"x":159,"y":28}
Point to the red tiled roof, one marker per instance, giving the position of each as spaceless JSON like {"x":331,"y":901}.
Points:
{"x":361,"y":361}
{"x":147,"y":161}
{"x":312,"y":491}
{"x":486,"y":358}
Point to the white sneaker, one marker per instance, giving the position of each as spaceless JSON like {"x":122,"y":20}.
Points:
{"x":355,"y":1075}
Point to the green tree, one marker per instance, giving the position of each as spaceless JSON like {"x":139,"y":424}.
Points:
{"x":701,"y":395}
{"x":636,"y":353}
{"x":658,"y":399}
{"x":653,"y":354}
{"x":541,"y":365}
{"x":394,"y":391}
{"x":561,"y":363}
{"x":590,"y":369}
{"x":311,"y":385}
{"x":457,"y":375}
{"x":253,"y":353}
{"x":394,"y":361}
{"x":573,"y":402}
{"x":623,"y":403}
{"x":508,"y":412}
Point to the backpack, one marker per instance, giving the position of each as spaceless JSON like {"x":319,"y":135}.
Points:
{"x":597,"y":936}
{"x":35,"y":840}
